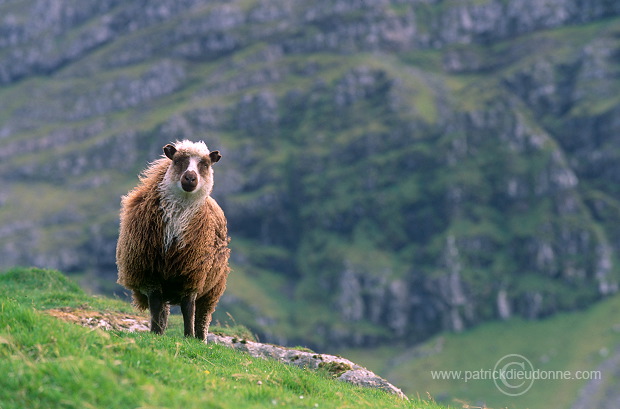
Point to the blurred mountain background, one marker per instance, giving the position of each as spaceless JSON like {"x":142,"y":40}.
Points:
{"x":392,"y":169}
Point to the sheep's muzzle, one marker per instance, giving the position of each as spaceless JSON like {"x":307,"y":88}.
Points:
{"x":189,"y":181}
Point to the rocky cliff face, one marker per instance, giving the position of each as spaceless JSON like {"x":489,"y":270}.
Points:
{"x":396,"y":168}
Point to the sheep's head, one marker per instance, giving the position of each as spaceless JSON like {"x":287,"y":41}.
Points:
{"x":190,"y":168}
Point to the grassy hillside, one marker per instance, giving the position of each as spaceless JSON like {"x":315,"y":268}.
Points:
{"x":47,"y":363}
{"x":580,"y":341}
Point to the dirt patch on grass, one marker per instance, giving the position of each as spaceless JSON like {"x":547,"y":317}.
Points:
{"x":112,"y":320}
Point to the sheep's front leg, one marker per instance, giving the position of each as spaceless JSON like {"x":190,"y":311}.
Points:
{"x":205,"y":307}
{"x":159,"y":312}
{"x":188,"y":308}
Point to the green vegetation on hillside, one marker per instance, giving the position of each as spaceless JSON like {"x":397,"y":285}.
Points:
{"x":47,"y":363}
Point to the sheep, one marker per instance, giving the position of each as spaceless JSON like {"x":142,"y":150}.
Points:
{"x":173,"y":240}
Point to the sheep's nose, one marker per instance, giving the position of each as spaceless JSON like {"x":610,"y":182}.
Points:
{"x":189,"y":181}
{"x":190,"y":177}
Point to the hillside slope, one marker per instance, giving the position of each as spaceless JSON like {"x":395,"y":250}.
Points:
{"x":49,"y":363}
{"x":391,"y":169}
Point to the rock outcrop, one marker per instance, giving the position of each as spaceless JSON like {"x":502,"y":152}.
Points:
{"x":340,"y":368}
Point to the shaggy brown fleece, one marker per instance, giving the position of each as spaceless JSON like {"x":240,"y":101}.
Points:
{"x":195,"y":263}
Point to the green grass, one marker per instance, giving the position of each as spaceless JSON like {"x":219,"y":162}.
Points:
{"x":49,"y":363}
{"x":578,"y":341}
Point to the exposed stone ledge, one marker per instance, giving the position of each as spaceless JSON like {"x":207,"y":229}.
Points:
{"x":342,"y":369}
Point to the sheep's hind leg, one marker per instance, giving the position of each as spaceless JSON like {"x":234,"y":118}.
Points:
{"x":188,"y":308}
{"x":159,"y":312}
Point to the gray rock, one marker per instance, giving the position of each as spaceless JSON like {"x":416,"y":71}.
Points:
{"x":342,"y":369}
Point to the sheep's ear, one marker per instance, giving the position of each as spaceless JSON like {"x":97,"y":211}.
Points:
{"x":215,"y":156}
{"x":169,"y":151}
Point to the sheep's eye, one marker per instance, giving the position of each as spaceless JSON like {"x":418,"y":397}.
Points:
{"x":181,"y":161}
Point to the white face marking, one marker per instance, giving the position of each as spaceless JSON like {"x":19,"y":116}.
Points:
{"x":193,"y":166}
